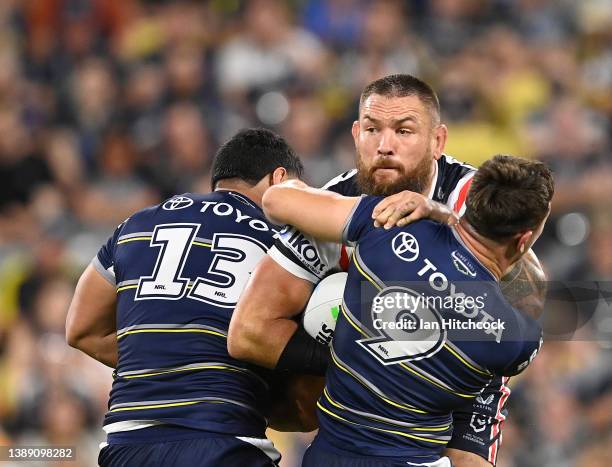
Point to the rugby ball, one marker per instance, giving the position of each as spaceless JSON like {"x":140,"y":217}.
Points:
{"x":323,"y":308}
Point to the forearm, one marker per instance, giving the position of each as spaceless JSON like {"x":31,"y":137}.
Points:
{"x":294,"y":402}
{"x":101,"y":348}
{"x":263,"y":321}
{"x":319,"y":213}
{"x":260,"y":341}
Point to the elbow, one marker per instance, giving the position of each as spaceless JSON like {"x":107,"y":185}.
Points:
{"x":74,"y":334}
{"x":243,"y":341}
{"x":237,"y":341}
{"x":73,"y":338}
{"x":236,"y":349}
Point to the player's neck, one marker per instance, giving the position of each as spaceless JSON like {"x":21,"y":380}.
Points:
{"x":252,"y":192}
{"x":491,"y":255}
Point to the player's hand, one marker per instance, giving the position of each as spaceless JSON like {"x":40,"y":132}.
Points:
{"x":407,"y":206}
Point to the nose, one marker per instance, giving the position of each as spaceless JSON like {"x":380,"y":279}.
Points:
{"x":386,"y":143}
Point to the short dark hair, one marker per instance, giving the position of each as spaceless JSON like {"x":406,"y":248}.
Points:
{"x":508,"y":195}
{"x":402,"y":85}
{"x":251,"y":154}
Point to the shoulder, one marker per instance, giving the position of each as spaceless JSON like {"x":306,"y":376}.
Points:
{"x":344,"y":184}
{"x":453,"y":181}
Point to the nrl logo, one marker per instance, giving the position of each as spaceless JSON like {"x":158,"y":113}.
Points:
{"x":479,"y":423}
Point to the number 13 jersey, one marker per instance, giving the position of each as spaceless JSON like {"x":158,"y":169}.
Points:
{"x":179,"y":268}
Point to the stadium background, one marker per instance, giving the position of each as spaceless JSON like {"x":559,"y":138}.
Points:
{"x":108,"y":106}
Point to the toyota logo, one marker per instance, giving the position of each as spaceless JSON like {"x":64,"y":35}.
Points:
{"x":178,"y":202}
{"x":405,"y":246}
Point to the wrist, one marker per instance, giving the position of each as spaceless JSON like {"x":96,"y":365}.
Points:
{"x":303,"y":354}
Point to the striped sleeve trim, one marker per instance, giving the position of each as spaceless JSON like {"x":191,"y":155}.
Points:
{"x":349,"y":219}
{"x":108,"y":274}
{"x":456,"y":200}
{"x":285,"y":261}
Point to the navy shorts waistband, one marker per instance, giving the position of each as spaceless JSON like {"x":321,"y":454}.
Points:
{"x":156,"y":434}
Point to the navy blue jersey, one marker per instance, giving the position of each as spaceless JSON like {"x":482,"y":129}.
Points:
{"x":179,"y":269}
{"x":424,"y":329}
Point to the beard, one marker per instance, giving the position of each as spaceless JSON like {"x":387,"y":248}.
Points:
{"x":416,"y":181}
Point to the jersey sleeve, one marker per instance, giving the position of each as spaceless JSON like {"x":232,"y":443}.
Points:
{"x":307,"y":257}
{"x":457,"y":198}
{"x":304,"y":256}
{"x":360,"y":221}
{"x":477,"y":426}
{"x":528,"y":345}
{"x":104,"y":261}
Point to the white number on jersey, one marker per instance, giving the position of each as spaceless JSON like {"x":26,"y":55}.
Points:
{"x":166,"y":282}
{"x":235,"y":256}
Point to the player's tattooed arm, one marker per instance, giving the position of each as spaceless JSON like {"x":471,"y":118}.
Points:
{"x":524,"y":285}
{"x":91,"y":322}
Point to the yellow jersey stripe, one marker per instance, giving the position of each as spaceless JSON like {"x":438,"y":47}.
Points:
{"x":133,"y":239}
{"x":342,"y":407}
{"x":387,"y":400}
{"x":466,"y":363}
{"x":207,"y":245}
{"x":400,"y":433}
{"x":352,"y":323}
{"x":435,"y":383}
{"x":125,"y":287}
{"x":163,"y":372}
{"x":138,"y":331}
{"x":162,"y":406}
{"x":363,"y":273}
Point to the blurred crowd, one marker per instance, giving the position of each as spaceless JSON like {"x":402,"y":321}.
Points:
{"x":109,"y":106}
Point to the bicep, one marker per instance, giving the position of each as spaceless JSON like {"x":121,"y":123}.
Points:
{"x":262,"y":322}
{"x":92,"y":310}
{"x":272,"y":292}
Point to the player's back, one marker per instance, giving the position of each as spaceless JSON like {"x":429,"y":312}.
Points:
{"x":179,"y":269}
{"x":402,"y":358}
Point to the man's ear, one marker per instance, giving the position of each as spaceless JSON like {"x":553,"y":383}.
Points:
{"x":279,"y":175}
{"x":438,"y":140}
{"x":355,"y":132}
{"x":523,"y":242}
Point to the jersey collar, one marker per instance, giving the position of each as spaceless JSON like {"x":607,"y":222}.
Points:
{"x":434,"y":181}
{"x":462,"y":243}
{"x":240,"y":197}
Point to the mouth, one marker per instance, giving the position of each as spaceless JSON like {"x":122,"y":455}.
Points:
{"x":385,"y":171}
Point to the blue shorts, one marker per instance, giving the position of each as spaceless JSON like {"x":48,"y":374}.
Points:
{"x":319,"y":455}
{"x":201,"y":449}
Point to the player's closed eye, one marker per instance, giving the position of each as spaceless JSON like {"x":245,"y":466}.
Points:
{"x":371,"y":129}
{"x":405,"y":131}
